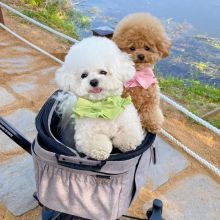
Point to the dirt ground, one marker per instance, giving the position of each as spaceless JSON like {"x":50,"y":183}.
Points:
{"x":44,"y":39}
{"x":31,"y":215}
{"x":198,"y":138}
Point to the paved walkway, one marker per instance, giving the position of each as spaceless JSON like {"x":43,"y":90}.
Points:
{"x":187,"y":190}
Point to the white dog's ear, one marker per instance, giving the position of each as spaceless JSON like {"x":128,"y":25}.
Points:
{"x":62,"y":79}
{"x":126,"y":67}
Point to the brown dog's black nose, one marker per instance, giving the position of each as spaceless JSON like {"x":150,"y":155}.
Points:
{"x":140,"y":56}
{"x":94,"y":82}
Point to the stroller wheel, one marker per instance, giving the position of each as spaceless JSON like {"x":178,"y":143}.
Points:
{"x":149,"y":213}
{"x":155,"y":213}
{"x":48,"y":214}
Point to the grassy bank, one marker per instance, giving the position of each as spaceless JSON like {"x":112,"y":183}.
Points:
{"x":58,"y":14}
{"x":197,"y":97}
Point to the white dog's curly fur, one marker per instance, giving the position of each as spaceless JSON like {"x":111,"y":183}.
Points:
{"x":99,"y":59}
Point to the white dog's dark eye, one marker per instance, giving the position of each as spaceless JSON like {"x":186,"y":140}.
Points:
{"x":147,"y":48}
{"x":84,"y":75}
{"x":132,"y":48}
{"x":103,"y":72}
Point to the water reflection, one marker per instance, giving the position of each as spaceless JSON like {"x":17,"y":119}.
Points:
{"x":202,"y":14}
{"x":193,"y":26}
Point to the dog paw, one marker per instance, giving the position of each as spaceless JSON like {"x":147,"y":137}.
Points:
{"x":99,"y":154}
{"x":126,"y":148}
{"x":154,"y":128}
{"x":153,"y":122}
{"x":98,"y":148}
{"x":127,"y":143}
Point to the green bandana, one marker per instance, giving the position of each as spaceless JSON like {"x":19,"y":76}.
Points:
{"x":110,"y":108}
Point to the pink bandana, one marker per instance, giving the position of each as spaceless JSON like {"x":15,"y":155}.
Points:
{"x":143,"y":78}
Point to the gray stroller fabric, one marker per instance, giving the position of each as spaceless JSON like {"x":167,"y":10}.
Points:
{"x":83,"y":187}
{"x":105,"y":194}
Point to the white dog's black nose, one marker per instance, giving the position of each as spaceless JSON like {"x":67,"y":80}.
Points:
{"x":94,"y":82}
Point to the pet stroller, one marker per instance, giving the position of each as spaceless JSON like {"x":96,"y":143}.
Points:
{"x":72,"y":186}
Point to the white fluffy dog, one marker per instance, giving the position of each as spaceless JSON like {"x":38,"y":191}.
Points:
{"x":95,"y":69}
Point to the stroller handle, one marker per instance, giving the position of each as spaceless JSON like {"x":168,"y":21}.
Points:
{"x":15,"y":135}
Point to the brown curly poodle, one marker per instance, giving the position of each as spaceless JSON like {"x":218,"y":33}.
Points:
{"x":143,"y":37}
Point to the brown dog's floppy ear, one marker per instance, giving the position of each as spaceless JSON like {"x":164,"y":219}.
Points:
{"x":163,"y":48}
{"x":120,"y":41}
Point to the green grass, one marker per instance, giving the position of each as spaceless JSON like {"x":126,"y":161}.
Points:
{"x":210,"y":41}
{"x":201,"y":66}
{"x":196,"y":97}
{"x":215,"y":122}
{"x":57,"y":14}
{"x":214,"y":44}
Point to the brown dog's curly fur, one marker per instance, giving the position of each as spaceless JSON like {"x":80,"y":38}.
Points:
{"x":143,"y":34}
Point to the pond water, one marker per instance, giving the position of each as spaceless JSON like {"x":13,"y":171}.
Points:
{"x":192,"y":25}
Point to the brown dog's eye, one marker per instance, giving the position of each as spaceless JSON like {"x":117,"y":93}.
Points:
{"x":147,"y":48}
{"x":103,"y":72}
{"x":132,"y":48}
{"x":84,"y":75}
